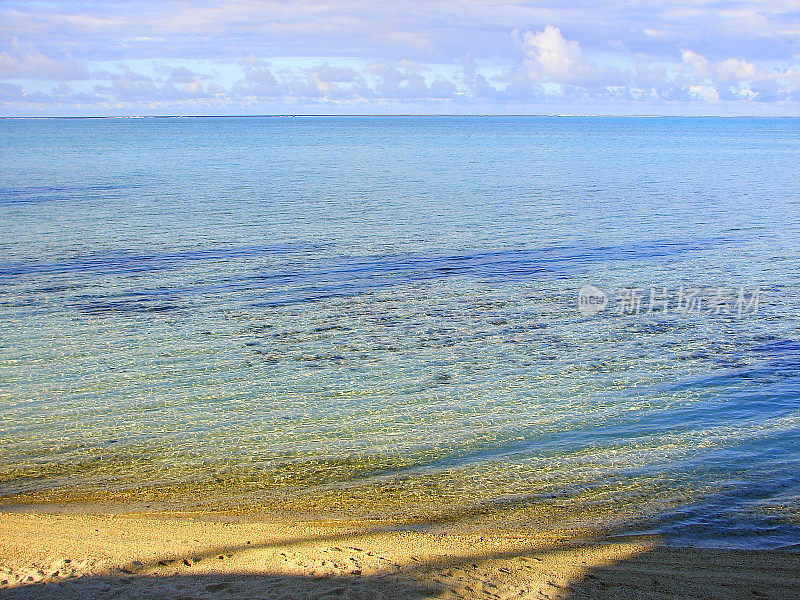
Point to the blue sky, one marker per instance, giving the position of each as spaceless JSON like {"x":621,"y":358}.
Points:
{"x":323,"y":57}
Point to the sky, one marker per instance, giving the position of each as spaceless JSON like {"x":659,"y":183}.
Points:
{"x":679,"y":57}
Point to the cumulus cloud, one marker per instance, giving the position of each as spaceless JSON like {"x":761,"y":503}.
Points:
{"x":735,"y":79}
{"x":409,"y":55}
{"x":183,"y":75}
{"x":258,"y":81}
{"x":705,"y":92}
{"x":697,"y":63}
{"x":399,"y":81}
{"x":553,"y":58}
{"x":734,"y":69}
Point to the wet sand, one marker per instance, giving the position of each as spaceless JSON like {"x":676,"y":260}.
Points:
{"x":217,"y":556}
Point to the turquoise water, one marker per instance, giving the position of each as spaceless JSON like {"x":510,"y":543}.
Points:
{"x":273,"y":309}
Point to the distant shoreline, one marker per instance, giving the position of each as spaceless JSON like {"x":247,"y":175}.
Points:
{"x":411,"y":116}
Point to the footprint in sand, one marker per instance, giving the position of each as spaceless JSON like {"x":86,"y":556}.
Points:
{"x":52,"y":570}
{"x":336,"y":562}
{"x":350,"y":593}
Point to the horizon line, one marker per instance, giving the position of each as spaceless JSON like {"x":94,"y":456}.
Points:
{"x":327,"y":115}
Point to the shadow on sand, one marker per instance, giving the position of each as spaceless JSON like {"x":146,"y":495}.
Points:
{"x":566,"y":570}
{"x":234,"y":585}
{"x":605,"y":565}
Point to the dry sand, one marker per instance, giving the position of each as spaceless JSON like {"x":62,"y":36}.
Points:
{"x":181,"y":558}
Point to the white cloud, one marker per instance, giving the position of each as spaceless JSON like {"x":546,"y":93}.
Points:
{"x":734,"y":69}
{"x":697,"y":62}
{"x":736,"y":79}
{"x":704,"y":92}
{"x":482,"y":56}
{"x":552,"y":58}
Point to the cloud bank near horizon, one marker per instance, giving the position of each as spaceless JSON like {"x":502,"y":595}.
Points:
{"x":325,"y":57}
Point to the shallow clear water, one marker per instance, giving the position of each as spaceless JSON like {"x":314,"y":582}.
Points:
{"x":300,"y":310}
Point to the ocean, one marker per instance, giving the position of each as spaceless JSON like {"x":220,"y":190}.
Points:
{"x":552,"y":321}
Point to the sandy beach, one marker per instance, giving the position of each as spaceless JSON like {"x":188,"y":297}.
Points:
{"x":207,"y":556}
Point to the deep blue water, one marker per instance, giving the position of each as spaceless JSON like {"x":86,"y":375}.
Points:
{"x":352,"y":303}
